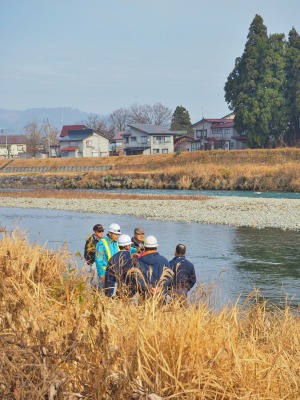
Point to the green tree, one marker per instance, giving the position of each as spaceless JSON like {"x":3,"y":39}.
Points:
{"x":272,"y":90}
{"x":293,"y":86}
{"x":181,"y":120}
{"x":245,"y":89}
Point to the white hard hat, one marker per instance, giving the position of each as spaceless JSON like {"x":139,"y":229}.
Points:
{"x":114,"y":228}
{"x":124,"y":240}
{"x":151,"y":242}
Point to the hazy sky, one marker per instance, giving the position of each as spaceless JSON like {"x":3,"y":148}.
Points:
{"x":101,"y":55}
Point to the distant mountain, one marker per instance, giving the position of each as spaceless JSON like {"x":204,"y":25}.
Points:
{"x":15,"y":120}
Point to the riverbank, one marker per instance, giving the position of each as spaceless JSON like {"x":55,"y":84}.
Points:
{"x":255,"y":170}
{"x":234,"y":211}
{"x":60,"y":339}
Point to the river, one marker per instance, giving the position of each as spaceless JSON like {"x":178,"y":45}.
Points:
{"x":234,"y":261}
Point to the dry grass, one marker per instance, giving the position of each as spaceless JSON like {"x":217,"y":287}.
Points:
{"x":262,"y":157}
{"x":71,"y":194}
{"x":60,"y":340}
{"x":263,"y":170}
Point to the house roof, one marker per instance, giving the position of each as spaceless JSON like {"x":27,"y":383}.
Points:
{"x":184,"y":138}
{"x":118,"y":136}
{"x":214,"y":120}
{"x":226,"y":124}
{"x":151,"y":129}
{"x":13,"y":139}
{"x":77,"y":135}
{"x":70,"y":148}
{"x":66,"y":128}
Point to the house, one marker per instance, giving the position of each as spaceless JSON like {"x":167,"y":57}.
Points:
{"x":12,"y":146}
{"x":116,"y":147}
{"x":183,"y":143}
{"x":80,"y":141}
{"x":217,"y":133}
{"x":147,"y":139}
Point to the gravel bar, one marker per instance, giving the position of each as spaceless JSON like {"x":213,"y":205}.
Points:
{"x":236,"y":211}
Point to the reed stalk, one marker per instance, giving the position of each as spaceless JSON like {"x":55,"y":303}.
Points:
{"x":59,"y":339}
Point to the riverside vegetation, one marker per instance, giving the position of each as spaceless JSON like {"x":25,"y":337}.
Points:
{"x":61,"y":340}
{"x":259,"y":170}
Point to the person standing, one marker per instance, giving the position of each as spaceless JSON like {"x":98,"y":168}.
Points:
{"x":138,"y":239}
{"x":155,"y":272}
{"x":105,"y":249}
{"x":184,"y":272}
{"x":90,"y":244}
{"x":117,"y":269}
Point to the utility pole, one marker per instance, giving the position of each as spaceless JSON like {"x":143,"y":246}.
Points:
{"x":6,"y":152}
{"x":49,"y":142}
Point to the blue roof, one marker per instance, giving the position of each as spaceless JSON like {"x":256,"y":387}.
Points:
{"x":152,"y":129}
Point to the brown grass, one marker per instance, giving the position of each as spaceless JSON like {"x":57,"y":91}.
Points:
{"x":60,"y":340}
{"x":232,"y":157}
{"x":263,"y":170}
{"x":71,"y":194}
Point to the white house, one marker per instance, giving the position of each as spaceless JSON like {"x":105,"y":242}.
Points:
{"x":147,"y":139}
{"x":217,"y":133}
{"x":79,"y":141}
{"x":12,"y":146}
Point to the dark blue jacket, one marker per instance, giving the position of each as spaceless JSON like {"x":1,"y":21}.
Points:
{"x":152,"y":265}
{"x":184,"y":272}
{"x":117,"y":271}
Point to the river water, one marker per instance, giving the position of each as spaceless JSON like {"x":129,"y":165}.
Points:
{"x":233,"y":261}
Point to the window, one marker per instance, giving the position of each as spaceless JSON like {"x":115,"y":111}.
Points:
{"x":201,"y":133}
{"x":227,"y":131}
{"x":126,"y":140}
{"x":73,"y":143}
{"x":155,"y":151}
{"x":195,"y":146}
{"x":20,"y":147}
{"x":164,"y":151}
{"x":89,"y":143}
{"x":167,"y":139}
{"x":144,"y":139}
{"x":157,"y":140}
{"x":133,"y":139}
{"x":232,"y":145}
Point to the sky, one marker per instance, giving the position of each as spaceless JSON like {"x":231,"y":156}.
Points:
{"x":102,"y":55}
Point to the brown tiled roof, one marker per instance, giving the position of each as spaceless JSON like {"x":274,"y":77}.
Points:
{"x":13,"y":139}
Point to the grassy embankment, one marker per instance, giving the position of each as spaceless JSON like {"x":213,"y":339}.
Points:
{"x":58,"y":335}
{"x":262,"y":170}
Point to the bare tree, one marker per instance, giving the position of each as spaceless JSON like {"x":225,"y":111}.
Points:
{"x":49,"y":135}
{"x":140,"y":114}
{"x":34,"y":139}
{"x":119,"y":119}
{"x":161,"y":114}
{"x":146,"y":114}
{"x":99,"y":125}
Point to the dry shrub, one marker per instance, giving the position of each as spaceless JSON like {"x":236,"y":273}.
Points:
{"x":185,"y":182}
{"x":61,"y":340}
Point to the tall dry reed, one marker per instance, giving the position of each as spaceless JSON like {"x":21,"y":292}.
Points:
{"x":61,"y":340}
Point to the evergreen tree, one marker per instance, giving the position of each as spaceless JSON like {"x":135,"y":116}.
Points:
{"x":245,"y":89}
{"x":271,"y":92}
{"x":293,"y":86}
{"x":181,"y":120}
